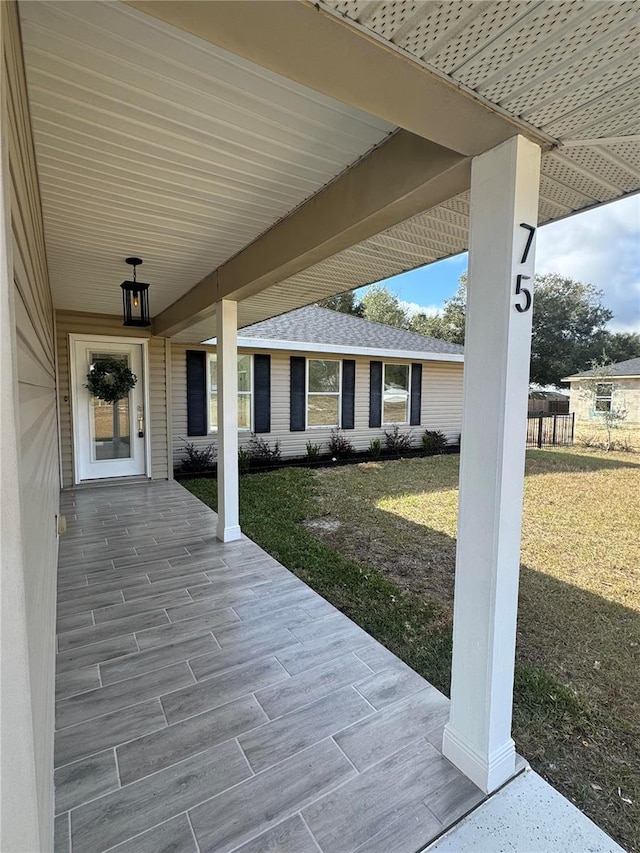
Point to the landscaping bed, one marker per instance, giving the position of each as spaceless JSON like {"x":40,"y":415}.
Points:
{"x":378,"y":540}
{"x":260,"y":455}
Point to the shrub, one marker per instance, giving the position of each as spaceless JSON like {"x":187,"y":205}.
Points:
{"x":375,"y":448}
{"x":244,"y":460}
{"x":339,"y":445}
{"x":313,"y":452}
{"x":261,"y":451}
{"x":197,"y":459}
{"x":397,"y":442}
{"x":434,"y":441}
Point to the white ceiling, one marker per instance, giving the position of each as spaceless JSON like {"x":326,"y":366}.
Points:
{"x":153,"y":143}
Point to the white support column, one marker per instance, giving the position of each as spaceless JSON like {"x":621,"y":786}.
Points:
{"x":504,"y":194}
{"x":227,"y":366}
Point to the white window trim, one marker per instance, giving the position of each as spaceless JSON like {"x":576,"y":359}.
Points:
{"x":213,"y":430}
{"x":408,"y":409}
{"x":606,"y":397}
{"x":308,"y":393}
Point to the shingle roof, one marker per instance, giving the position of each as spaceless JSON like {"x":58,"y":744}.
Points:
{"x":631,"y":367}
{"x":315,"y":325}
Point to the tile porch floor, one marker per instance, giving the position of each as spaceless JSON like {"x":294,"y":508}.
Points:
{"x":209,"y":700}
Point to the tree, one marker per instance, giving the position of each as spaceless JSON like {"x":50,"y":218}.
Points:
{"x":346,"y":303}
{"x":381,"y":306}
{"x":618,"y":346}
{"x":569,"y":328}
{"x":449,"y":325}
{"x":568,"y":322}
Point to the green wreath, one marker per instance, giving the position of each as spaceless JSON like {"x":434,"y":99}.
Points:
{"x":110,"y":379}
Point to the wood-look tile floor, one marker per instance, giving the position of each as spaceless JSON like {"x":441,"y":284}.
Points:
{"x":208,"y":700}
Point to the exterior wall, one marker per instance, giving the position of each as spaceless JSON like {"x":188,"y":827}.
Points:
{"x":626,"y":394}
{"x":29,"y":478}
{"x":441,"y":404}
{"x":158,"y":420}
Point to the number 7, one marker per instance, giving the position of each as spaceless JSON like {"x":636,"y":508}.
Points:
{"x":531,"y":231}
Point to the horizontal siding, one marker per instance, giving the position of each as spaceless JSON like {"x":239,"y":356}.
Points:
{"x":441,"y":405}
{"x":157,"y":422}
{"x":30,"y":582}
{"x":101,"y":324}
{"x":217,"y":148}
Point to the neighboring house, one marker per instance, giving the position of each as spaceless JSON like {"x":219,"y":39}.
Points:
{"x":547,"y":402}
{"x":307,"y":372}
{"x":617,"y":387}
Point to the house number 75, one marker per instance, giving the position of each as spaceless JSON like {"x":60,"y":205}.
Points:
{"x":523,"y":291}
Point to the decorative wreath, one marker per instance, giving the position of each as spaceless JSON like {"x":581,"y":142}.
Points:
{"x":110,"y":379}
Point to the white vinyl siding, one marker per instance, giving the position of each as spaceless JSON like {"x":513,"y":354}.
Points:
{"x":30,"y":473}
{"x":441,"y":404}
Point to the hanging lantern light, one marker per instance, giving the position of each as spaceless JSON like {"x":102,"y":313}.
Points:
{"x":135,"y":299}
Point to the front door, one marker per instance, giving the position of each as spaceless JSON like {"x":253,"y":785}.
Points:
{"x":109,"y":438}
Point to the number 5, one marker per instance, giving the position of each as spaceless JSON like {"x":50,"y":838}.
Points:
{"x":522,"y":291}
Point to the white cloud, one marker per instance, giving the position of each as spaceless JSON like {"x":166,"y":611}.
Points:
{"x":413,"y":308}
{"x":602,"y":247}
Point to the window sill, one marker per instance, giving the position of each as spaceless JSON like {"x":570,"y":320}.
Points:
{"x":321,"y":426}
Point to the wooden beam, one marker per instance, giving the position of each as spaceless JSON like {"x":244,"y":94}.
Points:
{"x":401,"y":178}
{"x":320,"y":49}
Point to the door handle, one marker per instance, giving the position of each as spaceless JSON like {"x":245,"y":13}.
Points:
{"x":140,"y":423}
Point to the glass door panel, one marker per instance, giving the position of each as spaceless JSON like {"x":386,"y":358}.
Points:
{"x":110,"y":422}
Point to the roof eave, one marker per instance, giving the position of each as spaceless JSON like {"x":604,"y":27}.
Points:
{"x":344,"y":349}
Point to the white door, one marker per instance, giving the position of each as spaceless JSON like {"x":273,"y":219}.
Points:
{"x":109,"y":438}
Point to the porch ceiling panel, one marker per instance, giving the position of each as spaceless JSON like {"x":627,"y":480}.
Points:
{"x":153,"y":139}
{"x":569,"y":68}
{"x":569,"y":182}
{"x":563,"y":71}
{"x":154,"y":143}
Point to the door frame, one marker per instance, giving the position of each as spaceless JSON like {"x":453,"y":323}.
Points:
{"x":74,"y":337}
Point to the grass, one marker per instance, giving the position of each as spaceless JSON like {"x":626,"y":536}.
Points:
{"x":576,"y":689}
{"x":624,"y":436}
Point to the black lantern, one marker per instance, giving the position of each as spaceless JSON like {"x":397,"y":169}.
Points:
{"x":135,"y":299}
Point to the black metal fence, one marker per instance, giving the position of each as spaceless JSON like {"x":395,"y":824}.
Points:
{"x":550,"y":430}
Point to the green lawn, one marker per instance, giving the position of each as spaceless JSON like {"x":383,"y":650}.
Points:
{"x":378,"y":540}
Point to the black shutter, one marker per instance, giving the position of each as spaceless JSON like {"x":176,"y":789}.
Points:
{"x":348,"y":393}
{"x":297,"y":414}
{"x":375,"y":393}
{"x":262,"y":393}
{"x":197,"y":392}
{"x":416,"y":394}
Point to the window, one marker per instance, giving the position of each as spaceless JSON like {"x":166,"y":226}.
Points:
{"x":604,"y":390}
{"x":244,"y":392}
{"x":395,"y":399}
{"x":323,"y":393}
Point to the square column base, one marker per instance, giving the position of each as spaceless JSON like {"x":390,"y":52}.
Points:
{"x":488,"y":772}
{"x":228,"y":534}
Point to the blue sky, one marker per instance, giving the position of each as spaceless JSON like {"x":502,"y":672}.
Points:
{"x":600,"y":246}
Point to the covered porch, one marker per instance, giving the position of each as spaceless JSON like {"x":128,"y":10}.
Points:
{"x":260,"y":156}
{"x":207,"y":699}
